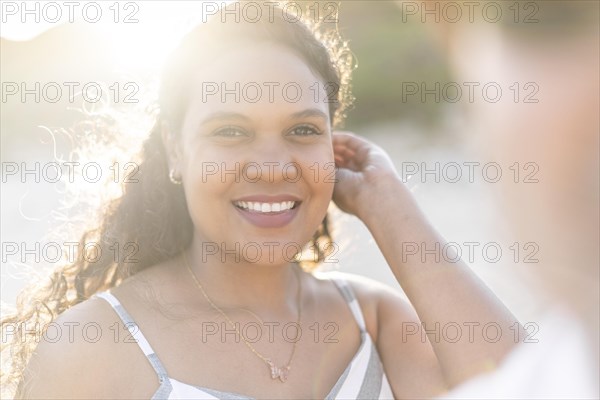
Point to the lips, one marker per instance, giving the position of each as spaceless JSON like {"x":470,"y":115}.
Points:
{"x":267,"y":211}
{"x":267,"y":208}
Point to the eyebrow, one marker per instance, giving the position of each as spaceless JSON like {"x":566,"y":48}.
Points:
{"x":225,"y":115}
{"x":310,"y":112}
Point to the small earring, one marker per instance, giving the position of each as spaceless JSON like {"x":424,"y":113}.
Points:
{"x":173,"y":178}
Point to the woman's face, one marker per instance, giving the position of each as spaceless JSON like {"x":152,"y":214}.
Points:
{"x":255,"y":141}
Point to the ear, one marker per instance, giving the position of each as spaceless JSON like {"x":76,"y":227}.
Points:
{"x":171,"y":144}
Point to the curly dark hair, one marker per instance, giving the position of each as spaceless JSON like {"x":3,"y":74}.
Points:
{"x":152,"y":212}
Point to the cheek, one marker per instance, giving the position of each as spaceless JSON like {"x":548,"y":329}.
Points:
{"x":206,"y":184}
{"x":318,"y":172}
{"x":213,"y":170}
{"x":317,"y":162}
{"x":321,"y":178}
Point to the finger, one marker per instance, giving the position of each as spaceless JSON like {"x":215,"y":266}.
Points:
{"x":343,"y":155}
{"x":347,"y":162}
{"x":350,"y":140}
{"x":341,"y":162}
{"x":351,"y":146}
{"x":355,"y":143}
{"x":343,"y":152}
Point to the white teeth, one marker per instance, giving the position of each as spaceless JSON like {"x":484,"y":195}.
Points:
{"x":266,"y":207}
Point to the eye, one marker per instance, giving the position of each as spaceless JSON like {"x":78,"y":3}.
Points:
{"x":229,"y":132}
{"x":305,"y":130}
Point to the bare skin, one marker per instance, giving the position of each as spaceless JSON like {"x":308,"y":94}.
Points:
{"x":114,"y":362}
{"x":444,"y":293}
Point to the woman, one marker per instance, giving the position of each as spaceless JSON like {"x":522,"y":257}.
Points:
{"x":231,"y":187}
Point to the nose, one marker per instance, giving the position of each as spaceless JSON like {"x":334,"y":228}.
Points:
{"x":271,"y":160}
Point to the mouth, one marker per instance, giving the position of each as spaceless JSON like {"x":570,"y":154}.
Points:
{"x":266,"y":208}
{"x":268,"y":211}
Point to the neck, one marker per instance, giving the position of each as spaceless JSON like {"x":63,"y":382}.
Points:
{"x":268,"y":289}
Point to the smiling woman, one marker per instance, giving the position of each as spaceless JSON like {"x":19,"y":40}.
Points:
{"x":278,"y":135}
{"x":229,"y":213}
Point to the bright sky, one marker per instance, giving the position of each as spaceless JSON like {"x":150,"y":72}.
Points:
{"x":142,"y":32}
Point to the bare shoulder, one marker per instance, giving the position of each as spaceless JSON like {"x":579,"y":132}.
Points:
{"x":407,"y":356}
{"x":375,"y":299}
{"x":79,"y":356}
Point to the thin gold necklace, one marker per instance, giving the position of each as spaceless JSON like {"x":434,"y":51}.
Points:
{"x":276,"y":372}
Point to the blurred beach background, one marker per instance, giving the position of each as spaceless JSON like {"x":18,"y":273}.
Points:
{"x":392,"y":49}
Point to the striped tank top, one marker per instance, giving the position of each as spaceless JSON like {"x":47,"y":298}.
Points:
{"x":363,"y":378}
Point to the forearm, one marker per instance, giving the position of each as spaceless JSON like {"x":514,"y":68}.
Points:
{"x":453,"y":304}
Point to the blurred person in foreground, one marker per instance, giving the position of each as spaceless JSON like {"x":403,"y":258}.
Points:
{"x":560,"y":134}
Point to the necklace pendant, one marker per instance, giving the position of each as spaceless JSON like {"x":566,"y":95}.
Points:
{"x":277,"y":372}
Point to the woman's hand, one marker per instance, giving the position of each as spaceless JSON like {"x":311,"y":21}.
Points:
{"x":441,"y":291}
{"x":364,"y":169}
